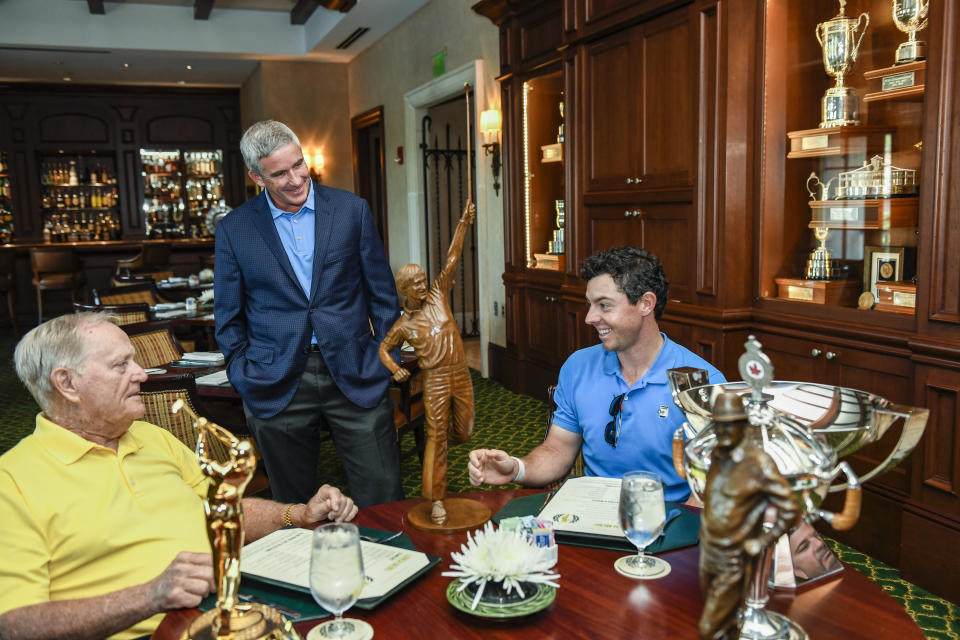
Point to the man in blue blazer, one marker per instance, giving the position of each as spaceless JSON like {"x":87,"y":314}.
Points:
{"x":303,"y":297}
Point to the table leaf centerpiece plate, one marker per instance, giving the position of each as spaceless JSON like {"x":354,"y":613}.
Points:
{"x":501,"y":573}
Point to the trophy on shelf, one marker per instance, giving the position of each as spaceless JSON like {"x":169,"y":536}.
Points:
{"x":821,"y":265}
{"x":560,"y":136}
{"x":910,"y":16}
{"x":807,"y":429}
{"x":229,"y":462}
{"x":556,"y":245}
{"x":838,"y":38}
{"x":877,"y":179}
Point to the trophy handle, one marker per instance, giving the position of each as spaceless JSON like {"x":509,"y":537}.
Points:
{"x":863,"y":32}
{"x":812,"y":176}
{"x":817,"y":32}
{"x":678,"y":453}
{"x":850,"y":513}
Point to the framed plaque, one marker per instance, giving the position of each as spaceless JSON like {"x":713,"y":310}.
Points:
{"x":880,"y":265}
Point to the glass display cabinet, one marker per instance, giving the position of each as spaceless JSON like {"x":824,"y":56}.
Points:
{"x":79,"y":198}
{"x":544,"y":204}
{"x":6,"y":204}
{"x":204,"y":188}
{"x":843,"y":110}
{"x":163,"y":207}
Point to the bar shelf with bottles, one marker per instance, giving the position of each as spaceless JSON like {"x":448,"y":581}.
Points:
{"x":204,"y":187}
{"x":6,"y":204}
{"x":79,"y":199}
{"x":163,"y":206}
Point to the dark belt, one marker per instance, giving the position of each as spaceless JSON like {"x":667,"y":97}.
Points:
{"x":313,"y":348}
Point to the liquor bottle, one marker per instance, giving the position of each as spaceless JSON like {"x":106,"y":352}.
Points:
{"x":73,"y":174}
{"x":48,"y":232}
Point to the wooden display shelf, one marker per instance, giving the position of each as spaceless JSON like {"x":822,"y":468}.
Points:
{"x":835,"y":141}
{"x":835,"y":292}
{"x":876,"y":213}
{"x":553,"y":262}
{"x":903,"y":82}
{"x":898,"y":297}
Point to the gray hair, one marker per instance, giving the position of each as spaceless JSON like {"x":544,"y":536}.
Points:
{"x":263,"y":138}
{"x":55,"y":343}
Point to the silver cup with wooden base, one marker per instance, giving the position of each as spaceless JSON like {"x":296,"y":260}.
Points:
{"x":838,"y":37}
{"x":910,"y":16}
{"x":807,"y":429}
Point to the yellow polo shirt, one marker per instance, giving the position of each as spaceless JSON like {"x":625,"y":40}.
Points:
{"x":80,"y":520}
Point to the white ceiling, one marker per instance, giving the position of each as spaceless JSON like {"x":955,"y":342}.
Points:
{"x":49,"y":40}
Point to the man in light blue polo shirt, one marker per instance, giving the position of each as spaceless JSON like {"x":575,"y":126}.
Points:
{"x":613,"y":399}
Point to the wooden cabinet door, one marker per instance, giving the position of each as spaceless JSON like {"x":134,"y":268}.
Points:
{"x":884,"y":375}
{"x":543,"y":326}
{"x":793,"y":358}
{"x":937,"y":459}
{"x":668,"y":102}
{"x":611,"y":112}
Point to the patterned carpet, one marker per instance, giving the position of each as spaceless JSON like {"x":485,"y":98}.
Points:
{"x":514,"y":423}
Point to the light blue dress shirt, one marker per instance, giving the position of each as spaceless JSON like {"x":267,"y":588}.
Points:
{"x":296,"y":232}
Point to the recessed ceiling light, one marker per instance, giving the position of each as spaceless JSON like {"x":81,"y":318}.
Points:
{"x":126,"y":65}
{"x":189,"y":67}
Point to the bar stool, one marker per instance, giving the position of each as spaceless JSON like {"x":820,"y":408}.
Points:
{"x":154,"y":258}
{"x":8,"y":284}
{"x":56,"y":269}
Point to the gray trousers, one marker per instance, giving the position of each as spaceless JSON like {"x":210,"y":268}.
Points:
{"x":365,"y":439}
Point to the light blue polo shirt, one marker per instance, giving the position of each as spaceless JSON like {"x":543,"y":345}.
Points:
{"x":296,"y":232}
{"x":591,"y":378}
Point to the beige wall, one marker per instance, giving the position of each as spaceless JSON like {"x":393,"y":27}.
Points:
{"x":310,"y":98}
{"x":401,"y":62}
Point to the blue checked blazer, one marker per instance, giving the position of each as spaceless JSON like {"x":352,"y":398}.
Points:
{"x":264,"y":319}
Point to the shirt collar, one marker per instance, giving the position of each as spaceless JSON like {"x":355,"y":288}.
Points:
{"x":69,"y":447}
{"x":656,"y":374}
{"x":276,"y":212}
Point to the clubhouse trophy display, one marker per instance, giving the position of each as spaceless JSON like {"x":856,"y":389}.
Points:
{"x":229,"y":462}
{"x":840,"y":105}
{"x":910,"y":16}
{"x":807,"y":429}
{"x":557,"y":244}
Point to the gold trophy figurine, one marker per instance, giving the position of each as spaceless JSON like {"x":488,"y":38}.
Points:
{"x":910,"y":16}
{"x":229,"y":463}
{"x":837,"y":36}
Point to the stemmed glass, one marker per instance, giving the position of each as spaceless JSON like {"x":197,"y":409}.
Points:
{"x":642,"y":517}
{"x":336,"y":580}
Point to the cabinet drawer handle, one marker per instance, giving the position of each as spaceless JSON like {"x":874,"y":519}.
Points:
{"x":831,"y":355}
{"x":815,"y":353}
{"x":629,"y":180}
{"x":637,"y":180}
{"x":549,"y":298}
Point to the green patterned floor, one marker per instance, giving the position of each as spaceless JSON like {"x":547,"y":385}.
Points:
{"x":514,"y":423}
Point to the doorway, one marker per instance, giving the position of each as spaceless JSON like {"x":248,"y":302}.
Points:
{"x":369,"y":172}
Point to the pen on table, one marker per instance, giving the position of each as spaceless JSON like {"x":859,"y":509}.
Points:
{"x":545,"y":501}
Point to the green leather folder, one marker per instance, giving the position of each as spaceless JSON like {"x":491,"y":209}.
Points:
{"x":297,"y":604}
{"x":682,"y":531}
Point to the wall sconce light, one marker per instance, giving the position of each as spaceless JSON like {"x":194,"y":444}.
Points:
{"x":315,"y":162}
{"x":490,"y":127}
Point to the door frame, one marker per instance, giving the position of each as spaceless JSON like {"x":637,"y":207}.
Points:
{"x":373,"y":117}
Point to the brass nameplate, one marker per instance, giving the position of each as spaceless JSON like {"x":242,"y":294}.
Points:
{"x":904,"y":299}
{"x":845,"y":214}
{"x":898,"y":81}
{"x":799,"y":293}
{"x":815,"y":142}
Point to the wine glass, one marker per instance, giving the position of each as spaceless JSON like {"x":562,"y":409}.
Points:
{"x":336,"y":579}
{"x":642,"y":517}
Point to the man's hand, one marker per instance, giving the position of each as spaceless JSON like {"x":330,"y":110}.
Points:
{"x":184,"y":583}
{"x":329,"y":504}
{"x":470,"y":213}
{"x":492,"y":466}
{"x":400,"y":375}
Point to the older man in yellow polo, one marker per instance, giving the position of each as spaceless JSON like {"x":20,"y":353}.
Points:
{"x":102,"y":514}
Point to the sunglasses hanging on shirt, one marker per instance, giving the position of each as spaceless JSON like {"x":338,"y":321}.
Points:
{"x":612,"y":431}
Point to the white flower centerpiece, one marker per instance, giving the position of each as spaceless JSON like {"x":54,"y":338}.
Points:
{"x":502,"y":557}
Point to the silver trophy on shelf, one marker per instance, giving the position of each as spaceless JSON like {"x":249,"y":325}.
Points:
{"x":807,"y":428}
{"x":556,"y":246}
{"x":910,"y":16}
{"x":840,"y":105}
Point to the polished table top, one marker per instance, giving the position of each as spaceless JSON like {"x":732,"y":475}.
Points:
{"x":596,"y":602}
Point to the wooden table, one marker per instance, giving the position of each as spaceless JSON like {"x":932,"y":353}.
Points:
{"x":595,"y":602}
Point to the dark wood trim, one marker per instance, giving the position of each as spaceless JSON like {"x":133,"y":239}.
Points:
{"x":372,"y":118}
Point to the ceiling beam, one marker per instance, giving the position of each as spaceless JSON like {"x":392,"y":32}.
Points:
{"x":201,"y":9}
{"x":305,"y":8}
{"x":96,"y":7}
{"x":302,"y":11}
